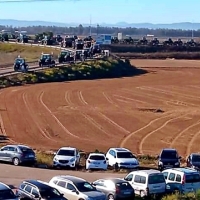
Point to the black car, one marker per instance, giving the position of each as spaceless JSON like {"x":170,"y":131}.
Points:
{"x":35,"y":189}
{"x":168,"y":158}
{"x":65,"y":56}
{"x":47,"y":60}
{"x":20,"y":65}
{"x":193,"y":161}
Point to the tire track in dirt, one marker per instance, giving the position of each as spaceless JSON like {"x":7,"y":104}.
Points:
{"x":124,"y":141}
{"x":158,"y":98}
{"x":86,"y":116}
{"x":182,"y":132}
{"x":110,"y":100}
{"x":105,"y":117}
{"x":189,"y":146}
{"x":56,"y":119}
{"x":45,"y":133}
{"x":154,"y":131}
{"x":190,"y":97}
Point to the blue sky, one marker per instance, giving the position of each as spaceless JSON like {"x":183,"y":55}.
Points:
{"x":103,"y":11}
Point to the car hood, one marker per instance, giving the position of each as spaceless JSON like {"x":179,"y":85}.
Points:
{"x":94,"y":194}
{"x":59,"y":157}
{"x":127,"y":160}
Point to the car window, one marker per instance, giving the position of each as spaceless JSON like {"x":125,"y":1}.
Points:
{"x":61,"y":184}
{"x":124,"y":186}
{"x":55,"y":181}
{"x":99,"y":182}
{"x":196,"y":158}
{"x":97,"y":157}
{"x":70,"y":187}
{"x":85,"y":187}
{"x":28,"y":188}
{"x":66,"y":152}
{"x":5,"y":149}
{"x":165,"y":174}
{"x":129,"y":177}
{"x":125,"y":155}
{"x":26,"y":150}
{"x":12,"y":149}
{"x":140,"y":179}
{"x":50,"y":193}
{"x":156,"y":178}
{"x":22,"y":186}
{"x":178,"y":178}
{"x":169,"y":155}
{"x":192,"y":178}
{"x":35,"y":192}
{"x":171,"y":176}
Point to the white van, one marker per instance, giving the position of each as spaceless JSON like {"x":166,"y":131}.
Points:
{"x":185,"y":179}
{"x":147,"y":182}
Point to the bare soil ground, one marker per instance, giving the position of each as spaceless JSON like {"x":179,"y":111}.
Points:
{"x":143,"y":113}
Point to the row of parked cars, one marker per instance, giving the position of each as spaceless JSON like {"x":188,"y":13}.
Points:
{"x":143,"y":183}
{"x":115,"y":157}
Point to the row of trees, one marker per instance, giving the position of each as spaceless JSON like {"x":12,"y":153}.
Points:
{"x":80,"y":30}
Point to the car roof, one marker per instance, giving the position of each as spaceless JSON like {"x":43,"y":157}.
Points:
{"x":73,"y":179}
{"x":148,"y":171}
{"x":120,"y":149}
{"x":3,"y":186}
{"x":195,"y":154}
{"x":169,"y":149}
{"x":96,"y":154}
{"x":17,"y":145}
{"x":67,"y":148}
{"x":38,"y":183}
{"x":115,"y":180}
{"x":185,"y":170}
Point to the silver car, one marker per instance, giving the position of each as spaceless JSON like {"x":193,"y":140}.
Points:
{"x":115,"y":188}
{"x":17,"y":154}
{"x":6,"y":193}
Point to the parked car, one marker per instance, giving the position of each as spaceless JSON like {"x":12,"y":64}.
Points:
{"x":6,"y":193}
{"x":121,"y":158}
{"x":168,"y":158}
{"x":115,"y":188}
{"x":185,"y":179}
{"x":96,"y":161}
{"x":193,"y":161}
{"x":17,"y":154}
{"x":35,"y":189}
{"x":20,"y":65}
{"x":147,"y":182}
{"x":66,"y":157}
{"x":75,"y":188}
{"x":65,"y":56}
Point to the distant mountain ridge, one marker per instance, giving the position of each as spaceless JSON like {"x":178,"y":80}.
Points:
{"x":24,"y":23}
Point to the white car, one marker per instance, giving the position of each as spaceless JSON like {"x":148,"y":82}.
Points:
{"x":75,"y":188}
{"x":147,"y":182}
{"x":121,"y":158}
{"x":66,"y":157}
{"x":96,"y":161}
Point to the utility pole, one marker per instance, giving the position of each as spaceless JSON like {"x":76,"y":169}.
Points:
{"x":90,"y":25}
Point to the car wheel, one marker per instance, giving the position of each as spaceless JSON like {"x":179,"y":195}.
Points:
{"x":110,"y":197}
{"x":16,"y":161}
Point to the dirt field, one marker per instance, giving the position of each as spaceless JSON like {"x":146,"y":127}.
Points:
{"x":144,"y":113}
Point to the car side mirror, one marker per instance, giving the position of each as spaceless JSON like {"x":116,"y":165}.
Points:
{"x":37,"y":196}
{"x":114,"y":156}
{"x":62,"y":195}
{"x":107,"y":159}
{"x":54,"y":153}
{"x":93,"y":184}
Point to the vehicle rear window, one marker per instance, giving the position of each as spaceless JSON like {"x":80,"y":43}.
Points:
{"x":156,"y":178}
{"x":26,"y":150}
{"x":169,"y":155}
{"x":124,"y":186}
{"x":97,"y":158}
{"x":193,"y":178}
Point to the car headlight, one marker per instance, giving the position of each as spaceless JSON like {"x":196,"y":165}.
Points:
{"x":55,"y":159}
{"x":177,"y":163}
{"x":72,"y":160}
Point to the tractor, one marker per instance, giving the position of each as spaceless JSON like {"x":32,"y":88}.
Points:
{"x":20,"y":65}
{"x":47,"y":60}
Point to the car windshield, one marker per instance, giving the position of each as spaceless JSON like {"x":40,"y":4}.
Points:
{"x":193,"y":178}
{"x":66,"y":152}
{"x":125,"y":155}
{"x":169,"y":155}
{"x":196,"y":158}
{"x":124,"y":185}
{"x":19,"y":60}
{"x":85,"y":187}
{"x":156,"y":178}
{"x":46,"y":57}
{"x":64,"y":53}
{"x":97,"y":157}
{"x":50,"y":193}
{"x":7,"y":194}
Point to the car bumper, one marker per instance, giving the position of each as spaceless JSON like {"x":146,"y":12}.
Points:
{"x":128,"y":166}
{"x":59,"y":164}
{"x":92,"y":166}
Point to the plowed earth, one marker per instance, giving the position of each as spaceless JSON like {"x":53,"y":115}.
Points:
{"x":143,"y":113}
